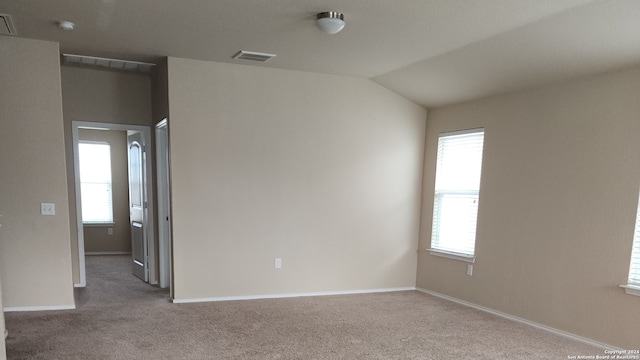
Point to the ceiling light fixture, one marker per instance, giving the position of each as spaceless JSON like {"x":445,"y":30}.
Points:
{"x":330,"y":22}
{"x":66,"y":25}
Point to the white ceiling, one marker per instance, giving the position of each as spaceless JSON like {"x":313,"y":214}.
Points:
{"x":434,"y":52}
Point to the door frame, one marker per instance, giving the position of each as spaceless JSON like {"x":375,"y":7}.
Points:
{"x":150,"y":239}
{"x":163,"y":179}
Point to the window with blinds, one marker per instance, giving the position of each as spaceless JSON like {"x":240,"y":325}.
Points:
{"x":457,"y":190}
{"x":634,"y":268}
{"x":95,"y":182}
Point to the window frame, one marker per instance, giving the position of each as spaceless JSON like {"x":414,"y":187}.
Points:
{"x":632,"y":287}
{"x":438,"y":195}
{"x":92,"y":223}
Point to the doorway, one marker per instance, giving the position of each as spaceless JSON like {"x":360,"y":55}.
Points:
{"x":142,"y":225}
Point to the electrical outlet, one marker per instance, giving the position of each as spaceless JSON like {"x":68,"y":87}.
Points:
{"x":109,"y":231}
{"x":470,"y":269}
{"x":278,"y":263}
{"x":47,"y":208}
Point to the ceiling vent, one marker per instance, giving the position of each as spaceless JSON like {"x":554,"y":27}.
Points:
{"x":6,"y":25}
{"x":253,"y":56}
{"x":114,"y":64}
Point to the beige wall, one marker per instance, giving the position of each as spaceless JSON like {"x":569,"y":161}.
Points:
{"x":558,"y":200}
{"x":321,"y":171}
{"x":160,"y":91}
{"x":96,"y":238}
{"x":35,"y":260}
{"x":100,"y":96}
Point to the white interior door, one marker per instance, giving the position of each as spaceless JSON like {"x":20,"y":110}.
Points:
{"x":137,"y":205}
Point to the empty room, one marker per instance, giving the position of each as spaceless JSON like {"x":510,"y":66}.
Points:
{"x":416,"y":179}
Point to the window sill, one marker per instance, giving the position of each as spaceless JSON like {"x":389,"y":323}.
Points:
{"x":631,"y":289}
{"x":111,"y":224}
{"x":453,"y":256}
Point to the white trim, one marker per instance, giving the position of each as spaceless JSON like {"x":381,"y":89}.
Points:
{"x":99,"y":253}
{"x":555,"y":331}
{"x":146,"y":135}
{"x":631,"y":289}
{"x":291,"y":295}
{"x":453,"y":256}
{"x":163,"y":185}
{"x":99,"y":224}
{"x":461,"y":132}
{"x":79,"y":224}
{"x":39,"y":308}
{"x":94,"y":142}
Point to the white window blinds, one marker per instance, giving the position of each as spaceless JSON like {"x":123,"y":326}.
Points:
{"x":634,"y":269}
{"x":457,"y":189}
{"x":95,"y":182}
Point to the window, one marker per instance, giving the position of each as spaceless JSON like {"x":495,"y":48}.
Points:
{"x":95,"y":182}
{"x":633,"y":286}
{"x":455,"y":205}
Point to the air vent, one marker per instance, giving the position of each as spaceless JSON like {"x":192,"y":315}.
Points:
{"x":114,"y":64}
{"x":253,"y":56}
{"x":6,"y":25}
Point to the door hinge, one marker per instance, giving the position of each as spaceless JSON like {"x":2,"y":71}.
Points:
{"x":145,"y":204}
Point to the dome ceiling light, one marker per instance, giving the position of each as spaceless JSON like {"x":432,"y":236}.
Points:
{"x":330,"y":22}
{"x":66,"y":25}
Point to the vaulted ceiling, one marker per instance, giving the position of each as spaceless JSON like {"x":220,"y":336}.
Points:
{"x":434,"y":52}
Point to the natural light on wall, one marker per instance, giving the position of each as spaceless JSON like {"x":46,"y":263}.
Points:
{"x":95,"y":179}
{"x":457,"y":191}
{"x":633,"y":286}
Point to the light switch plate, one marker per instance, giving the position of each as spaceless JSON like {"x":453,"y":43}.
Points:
{"x":47,"y":208}
{"x":278,"y":263}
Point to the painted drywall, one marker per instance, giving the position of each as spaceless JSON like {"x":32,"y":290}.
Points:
{"x":95,"y":95}
{"x":35,"y":256}
{"x":96,"y":238}
{"x":560,"y":181}
{"x":160,"y":91}
{"x":321,"y":171}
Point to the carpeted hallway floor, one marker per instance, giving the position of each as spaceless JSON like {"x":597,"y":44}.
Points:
{"x":120,"y":317}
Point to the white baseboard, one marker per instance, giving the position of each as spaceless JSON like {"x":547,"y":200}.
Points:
{"x":39,"y":308}
{"x":95,"y":253}
{"x":291,"y":295}
{"x":523,"y":321}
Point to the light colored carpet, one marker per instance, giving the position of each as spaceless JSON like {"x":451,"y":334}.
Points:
{"x":120,"y":317}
